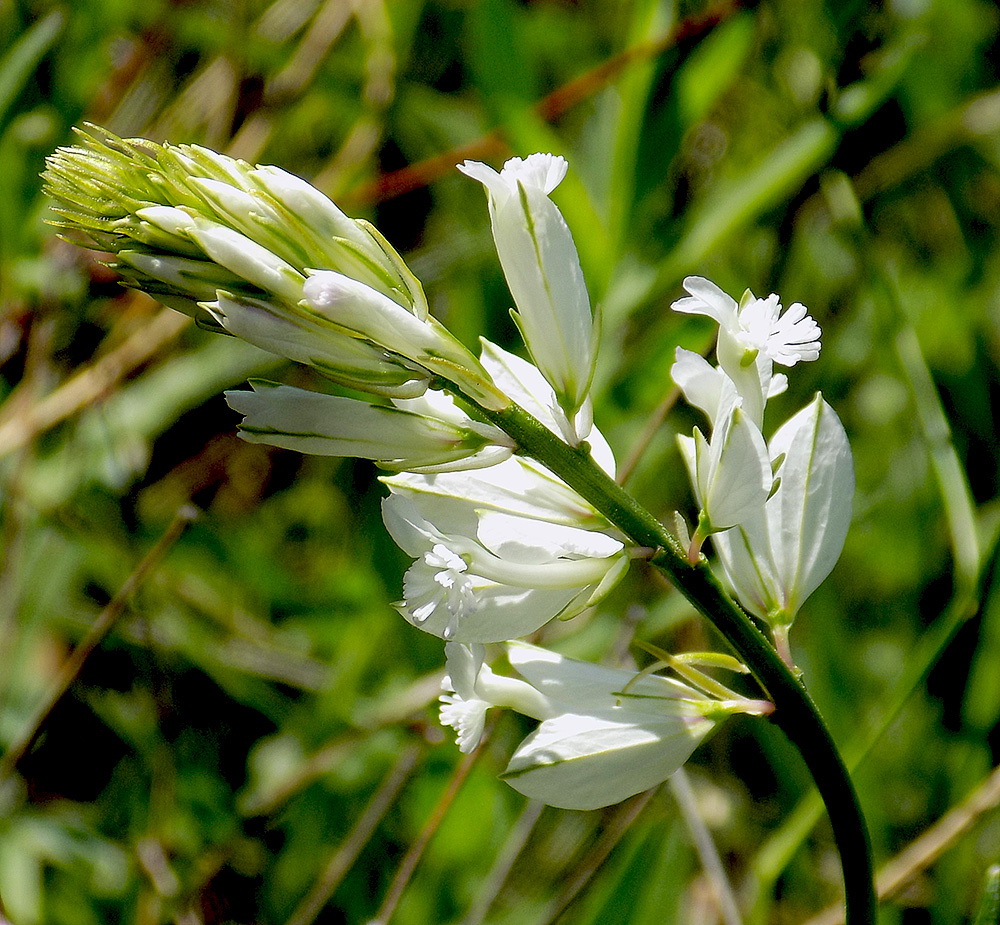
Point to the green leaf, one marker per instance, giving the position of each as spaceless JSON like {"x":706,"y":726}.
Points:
{"x":989,"y":903}
{"x":24,"y":56}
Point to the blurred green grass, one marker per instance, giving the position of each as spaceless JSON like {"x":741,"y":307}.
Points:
{"x":220,"y":746}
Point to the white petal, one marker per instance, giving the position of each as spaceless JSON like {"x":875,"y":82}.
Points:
{"x":357,"y":307}
{"x":522,"y":381}
{"x":751,"y":380}
{"x":410,"y":530}
{"x":600,"y":450}
{"x":490,"y":178}
{"x":794,"y":337}
{"x":700,"y":382}
{"x":502,"y":613}
{"x":248,"y":260}
{"x":747,"y":563}
{"x":436,"y":404}
{"x":463,"y":664}
{"x":198,"y":279}
{"x":756,"y":321}
{"x":585,"y":687}
{"x":330,"y":425}
{"x":168,"y":218}
{"x":309,"y":205}
{"x":525,"y":540}
{"x":585,"y":762}
{"x":543,"y":172}
{"x":707,"y":299}
{"x":705,"y":386}
{"x":308,"y":340}
{"x":689,"y":454}
{"x":737,"y":479}
{"x":777,"y":386}
{"x":516,"y":486}
{"x":811,"y":512}
{"x":466,"y":717}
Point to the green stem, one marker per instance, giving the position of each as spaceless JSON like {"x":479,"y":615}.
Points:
{"x":795,"y":713}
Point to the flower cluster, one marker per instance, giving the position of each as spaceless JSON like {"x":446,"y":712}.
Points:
{"x":259,"y":253}
{"x":500,"y":544}
{"x":777,"y":510}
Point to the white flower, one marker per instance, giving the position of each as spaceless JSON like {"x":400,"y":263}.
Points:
{"x":442,"y":584}
{"x":605,"y":733}
{"x":486,"y":576}
{"x":399,"y":438}
{"x":532,"y":547}
{"x":470,"y":688}
{"x":780,"y":555}
{"x":755,"y":324}
{"x":753,"y":335}
{"x":542,"y":268}
{"x":708,"y":387}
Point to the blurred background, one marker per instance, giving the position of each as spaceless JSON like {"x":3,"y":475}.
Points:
{"x":253,"y":739}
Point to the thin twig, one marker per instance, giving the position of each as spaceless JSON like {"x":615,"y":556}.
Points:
{"x":73,"y":665}
{"x":325,"y":26}
{"x":654,"y":423}
{"x":494,"y":881}
{"x":413,"y":699}
{"x":379,"y":89}
{"x":409,"y":863}
{"x":549,"y":108}
{"x":925,"y":850}
{"x":19,"y":426}
{"x":13,"y":511}
{"x":347,"y":853}
{"x":680,"y":786}
{"x":591,"y":864}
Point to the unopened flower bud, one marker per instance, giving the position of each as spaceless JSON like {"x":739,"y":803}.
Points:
{"x":330,"y":425}
{"x":540,"y":262}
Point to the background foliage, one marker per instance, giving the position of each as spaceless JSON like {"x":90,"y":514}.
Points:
{"x":254,"y":740}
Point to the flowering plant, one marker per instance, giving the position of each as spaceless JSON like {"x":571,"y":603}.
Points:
{"x":504,"y":491}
